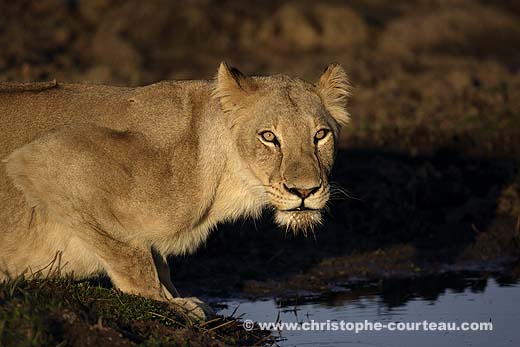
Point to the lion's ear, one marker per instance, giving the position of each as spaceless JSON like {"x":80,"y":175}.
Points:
{"x":232,"y":87}
{"x":334,"y":90}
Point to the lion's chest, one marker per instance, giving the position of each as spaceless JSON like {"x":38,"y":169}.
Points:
{"x":227,"y":203}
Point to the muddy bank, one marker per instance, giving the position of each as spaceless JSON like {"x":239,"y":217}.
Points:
{"x":62,"y":312}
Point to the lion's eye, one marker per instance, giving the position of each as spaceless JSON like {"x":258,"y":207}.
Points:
{"x":268,"y":136}
{"x":320,"y":134}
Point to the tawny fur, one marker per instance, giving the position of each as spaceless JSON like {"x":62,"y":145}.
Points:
{"x":108,"y":179}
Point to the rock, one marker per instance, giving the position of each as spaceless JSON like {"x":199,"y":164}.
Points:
{"x":93,"y":10}
{"x":341,"y":27}
{"x":289,"y":28}
{"x":297,"y":27}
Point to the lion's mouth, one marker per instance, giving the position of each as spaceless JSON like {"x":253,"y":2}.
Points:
{"x":301,"y":209}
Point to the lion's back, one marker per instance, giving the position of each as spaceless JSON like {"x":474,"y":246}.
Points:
{"x":161,"y":112}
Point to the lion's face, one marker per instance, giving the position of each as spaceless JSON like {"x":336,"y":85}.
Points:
{"x":286,"y":133}
{"x":290,"y":149}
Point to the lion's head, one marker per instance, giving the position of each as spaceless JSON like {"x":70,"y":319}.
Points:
{"x":286,"y":132}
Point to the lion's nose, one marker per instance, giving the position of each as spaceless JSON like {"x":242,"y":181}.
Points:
{"x":302,"y":192}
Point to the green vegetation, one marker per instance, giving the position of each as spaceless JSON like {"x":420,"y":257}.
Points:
{"x":62,"y":312}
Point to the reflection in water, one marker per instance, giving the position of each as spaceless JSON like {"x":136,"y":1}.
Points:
{"x":448,"y":298}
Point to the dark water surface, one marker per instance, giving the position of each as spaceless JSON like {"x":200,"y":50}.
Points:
{"x":447,"y":298}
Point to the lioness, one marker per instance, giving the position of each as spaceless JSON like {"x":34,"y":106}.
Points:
{"x":108,"y":179}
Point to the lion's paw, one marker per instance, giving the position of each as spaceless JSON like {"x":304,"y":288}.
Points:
{"x":193,"y":308}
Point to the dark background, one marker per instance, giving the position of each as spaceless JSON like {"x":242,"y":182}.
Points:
{"x":430,"y":158}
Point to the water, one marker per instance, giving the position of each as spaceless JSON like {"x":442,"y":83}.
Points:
{"x":447,"y":298}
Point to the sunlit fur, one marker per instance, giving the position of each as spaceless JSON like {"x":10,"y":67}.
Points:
{"x":115,"y":179}
{"x":296,"y":160}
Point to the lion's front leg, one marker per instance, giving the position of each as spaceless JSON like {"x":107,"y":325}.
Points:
{"x":193,"y":307}
{"x":129,"y":265}
{"x":163,"y":270}
{"x":133,"y":268}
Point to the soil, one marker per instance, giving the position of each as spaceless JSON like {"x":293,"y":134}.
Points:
{"x":428,"y":166}
{"x":62,"y":312}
